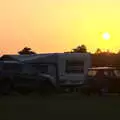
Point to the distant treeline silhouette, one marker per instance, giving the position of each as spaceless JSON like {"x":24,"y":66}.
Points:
{"x":99,"y":58}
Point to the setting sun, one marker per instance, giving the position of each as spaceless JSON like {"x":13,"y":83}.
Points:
{"x":106,"y":36}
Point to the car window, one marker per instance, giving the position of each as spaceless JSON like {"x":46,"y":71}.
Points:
{"x":92,"y":73}
{"x":109,"y":73}
{"x":117,"y":73}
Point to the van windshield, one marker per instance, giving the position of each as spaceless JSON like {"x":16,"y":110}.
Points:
{"x":12,"y":67}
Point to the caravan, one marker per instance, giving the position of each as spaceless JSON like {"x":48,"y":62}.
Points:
{"x":67,"y":69}
{"x":53,"y":69}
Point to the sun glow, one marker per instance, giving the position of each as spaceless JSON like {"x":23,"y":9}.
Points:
{"x":106,"y":36}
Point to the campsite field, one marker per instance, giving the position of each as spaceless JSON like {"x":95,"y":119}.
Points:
{"x":59,"y":107}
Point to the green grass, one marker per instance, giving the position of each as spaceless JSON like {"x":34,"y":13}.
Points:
{"x":60,"y":107}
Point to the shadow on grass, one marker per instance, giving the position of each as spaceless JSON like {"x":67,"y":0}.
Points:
{"x":58,"y":107}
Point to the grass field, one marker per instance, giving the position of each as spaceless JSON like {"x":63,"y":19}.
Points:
{"x":59,"y":107}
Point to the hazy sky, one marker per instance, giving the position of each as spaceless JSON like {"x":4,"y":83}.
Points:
{"x":58,"y":25}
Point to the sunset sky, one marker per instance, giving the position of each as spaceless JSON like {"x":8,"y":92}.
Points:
{"x":58,"y":25}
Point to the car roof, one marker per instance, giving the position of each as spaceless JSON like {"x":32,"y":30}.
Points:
{"x":104,"y":68}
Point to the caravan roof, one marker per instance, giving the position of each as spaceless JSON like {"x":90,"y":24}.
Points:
{"x":40,"y":57}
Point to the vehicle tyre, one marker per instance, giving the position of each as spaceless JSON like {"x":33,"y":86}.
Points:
{"x":22,"y":89}
{"x":104,"y":90}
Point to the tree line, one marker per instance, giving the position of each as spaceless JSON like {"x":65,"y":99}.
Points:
{"x":99,"y":57}
{"x":79,"y":49}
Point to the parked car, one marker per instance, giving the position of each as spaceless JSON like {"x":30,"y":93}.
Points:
{"x":23,"y":78}
{"x":102,"y":80}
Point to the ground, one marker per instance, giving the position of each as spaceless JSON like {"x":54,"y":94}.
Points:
{"x":59,"y":107}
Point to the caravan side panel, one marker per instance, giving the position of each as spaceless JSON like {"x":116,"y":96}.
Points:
{"x":73,"y":68}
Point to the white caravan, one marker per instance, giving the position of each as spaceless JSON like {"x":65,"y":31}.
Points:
{"x":66,"y":69}
{"x":63,"y":69}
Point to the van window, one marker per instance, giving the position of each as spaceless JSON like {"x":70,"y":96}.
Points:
{"x":41,"y":68}
{"x":12,"y":67}
{"x":74,"y":66}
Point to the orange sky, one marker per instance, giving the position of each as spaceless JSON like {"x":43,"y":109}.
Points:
{"x":57,"y":26}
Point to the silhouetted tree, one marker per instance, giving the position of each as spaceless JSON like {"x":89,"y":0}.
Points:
{"x":118,"y":52}
{"x":98,"y":51}
{"x":80,"y":49}
{"x":26,"y":50}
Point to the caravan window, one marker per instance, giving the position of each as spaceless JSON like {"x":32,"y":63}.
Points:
{"x":74,"y":66}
